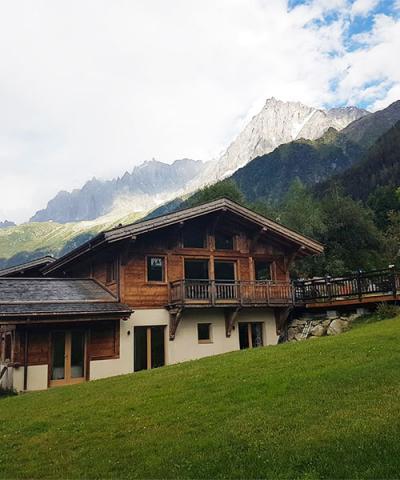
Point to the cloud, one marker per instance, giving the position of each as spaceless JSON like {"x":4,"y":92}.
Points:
{"x":363,"y":7}
{"x":94,"y":87}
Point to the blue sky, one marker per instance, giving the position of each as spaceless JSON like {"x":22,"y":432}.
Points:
{"x":95,"y":87}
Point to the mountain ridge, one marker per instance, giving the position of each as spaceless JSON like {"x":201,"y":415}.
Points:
{"x":276,"y":124}
{"x":7,"y":223}
{"x":147,"y":186}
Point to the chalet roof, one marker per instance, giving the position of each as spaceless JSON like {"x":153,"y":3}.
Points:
{"x":55,"y":297}
{"x":308,"y":245}
{"x":26,"y":266}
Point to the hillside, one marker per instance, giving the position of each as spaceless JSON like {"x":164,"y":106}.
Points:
{"x":326,"y":408}
{"x":269,"y":177}
{"x":28,"y":241}
{"x":379,"y":167}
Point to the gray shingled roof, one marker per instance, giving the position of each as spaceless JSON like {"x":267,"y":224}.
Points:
{"x":22,"y":267}
{"x":27,"y":297}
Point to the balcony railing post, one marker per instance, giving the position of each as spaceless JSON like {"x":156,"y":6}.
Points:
{"x":359,"y":288}
{"x":213,"y":291}
{"x":393,"y":280}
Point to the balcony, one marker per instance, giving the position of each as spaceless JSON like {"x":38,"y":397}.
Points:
{"x":206,"y":293}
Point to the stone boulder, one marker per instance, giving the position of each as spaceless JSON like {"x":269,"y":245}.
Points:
{"x":318,"y":331}
{"x":338,"y":326}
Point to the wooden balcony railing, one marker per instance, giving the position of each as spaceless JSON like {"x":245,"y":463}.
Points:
{"x":215,"y":293}
{"x":358,"y":286}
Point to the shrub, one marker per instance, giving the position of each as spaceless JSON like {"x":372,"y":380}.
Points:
{"x":387,"y":310}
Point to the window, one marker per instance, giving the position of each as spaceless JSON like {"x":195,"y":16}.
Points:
{"x":155,"y":269}
{"x":194,"y":238}
{"x":204,"y":332}
{"x":196,"y":269}
{"x":262,"y":270}
{"x":223,"y":241}
{"x":111,"y":272}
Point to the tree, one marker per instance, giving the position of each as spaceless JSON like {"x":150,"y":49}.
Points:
{"x":352,"y":239}
{"x":225,"y":188}
{"x":300,"y":211}
{"x":382,"y":201}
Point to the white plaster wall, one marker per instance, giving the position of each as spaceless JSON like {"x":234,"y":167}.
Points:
{"x":119,"y":366}
{"x":37,"y":378}
{"x":186,"y":346}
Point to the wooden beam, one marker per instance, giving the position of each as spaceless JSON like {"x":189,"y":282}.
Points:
{"x":230,"y":317}
{"x":175,"y":316}
{"x":125,"y":250}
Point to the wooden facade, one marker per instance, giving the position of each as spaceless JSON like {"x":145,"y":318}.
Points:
{"x":131,"y":281}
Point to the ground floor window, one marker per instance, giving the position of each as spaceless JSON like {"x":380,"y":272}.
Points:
{"x":68,"y":356}
{"x":204,"y":332}
{"x":250,"y":335}
{"x":149,"y":347}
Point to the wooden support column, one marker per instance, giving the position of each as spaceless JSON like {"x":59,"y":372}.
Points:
{"x":230,"y":317}
{"x":26,"y":360}
{"x":175,"y":316}
{"x":281,"y":317}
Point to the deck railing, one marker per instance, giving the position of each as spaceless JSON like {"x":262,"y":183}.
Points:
{"x":215,"y":292}
{"x":358,"y":285}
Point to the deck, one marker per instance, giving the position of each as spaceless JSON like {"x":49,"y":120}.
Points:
{"x":356,"y":289}
{"x":328,"y":292}
{"x":214,"y":293}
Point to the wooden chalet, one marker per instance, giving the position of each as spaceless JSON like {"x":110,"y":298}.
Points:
{"x":201,"y":281}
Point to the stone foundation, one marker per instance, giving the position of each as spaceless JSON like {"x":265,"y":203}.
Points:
{"x":319,"y":326}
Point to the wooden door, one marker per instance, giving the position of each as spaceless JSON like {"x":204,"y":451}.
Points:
{"x":68,"y":357}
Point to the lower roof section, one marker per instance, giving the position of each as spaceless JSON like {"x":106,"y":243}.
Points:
{"x":24,"y":299}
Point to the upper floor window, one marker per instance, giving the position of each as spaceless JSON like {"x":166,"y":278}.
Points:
{"x":224,"y":241}
{"x":262,"y":270}
{"x":111,"y":272}
{"x":193,"y":238}
{"x":155,"y":269}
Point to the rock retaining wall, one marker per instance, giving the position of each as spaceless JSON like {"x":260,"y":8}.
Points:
{"x":320,"y":326}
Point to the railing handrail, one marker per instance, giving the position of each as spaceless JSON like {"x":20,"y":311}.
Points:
{"x":231,"y":282}
{"x":238,"y":291}
{"x":359,"y":285}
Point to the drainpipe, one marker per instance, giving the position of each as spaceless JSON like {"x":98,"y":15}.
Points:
{"x":26,"y":361}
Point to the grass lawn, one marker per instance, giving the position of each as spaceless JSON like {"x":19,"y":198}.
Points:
{"x":326,"y":408}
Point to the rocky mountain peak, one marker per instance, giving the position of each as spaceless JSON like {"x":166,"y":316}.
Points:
{"x":148,"y":185}
{"x":6,"y":223}
{"x":277,"y":123}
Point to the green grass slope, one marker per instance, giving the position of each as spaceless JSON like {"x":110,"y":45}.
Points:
{"x":326,"y":408}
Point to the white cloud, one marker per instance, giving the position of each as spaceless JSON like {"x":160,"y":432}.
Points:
{"x":363,"y":7}
{"x":94,"y":87}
